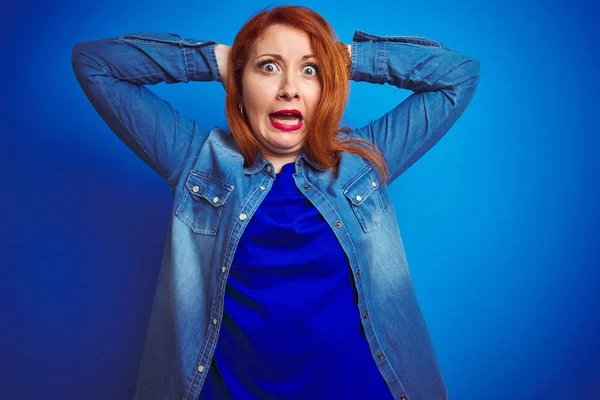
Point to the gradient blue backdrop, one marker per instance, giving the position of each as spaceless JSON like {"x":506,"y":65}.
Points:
{"x":500,"y":218}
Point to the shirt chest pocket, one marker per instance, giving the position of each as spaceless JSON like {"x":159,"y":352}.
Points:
{"x":203,"y":202}
{"x":366,"y":200}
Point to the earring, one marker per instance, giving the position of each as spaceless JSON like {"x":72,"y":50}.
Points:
{"x":241,"y":110}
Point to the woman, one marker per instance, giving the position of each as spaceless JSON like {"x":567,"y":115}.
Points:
{"x":284,"y":274}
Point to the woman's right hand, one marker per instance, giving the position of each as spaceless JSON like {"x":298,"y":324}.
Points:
{"x":222,"y":53}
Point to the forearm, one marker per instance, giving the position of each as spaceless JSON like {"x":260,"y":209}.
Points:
{"x":414,"y":63}
{"x":147,"y":58}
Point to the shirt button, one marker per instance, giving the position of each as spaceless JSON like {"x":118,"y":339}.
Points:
{"x":358,"y":271}
{"x":195,"y":189}
{"x":262,"y":187}
{"x":358,"y":198}
{"x":268,"y":168}
{"x":223,"y":269}
{"x":200,"y":368}
{"x":243,"y":216}
{"x":366,"y":315}
{"x":380,"y":356}
{"x":403,"y":397}
{"x":215,"y":199}
{"x":214,"y":321}
{"x":338,"y":223}
{"x":374,"y":184}
{"x":307,"y":187}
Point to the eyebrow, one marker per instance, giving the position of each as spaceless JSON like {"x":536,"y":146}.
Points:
{"x":279,"y":57}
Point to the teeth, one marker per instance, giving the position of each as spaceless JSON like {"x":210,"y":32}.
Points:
{"x":286,"y":122}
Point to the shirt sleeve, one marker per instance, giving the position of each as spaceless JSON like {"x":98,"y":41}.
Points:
{"x":443,"y":81}
{"x":113,"y":73}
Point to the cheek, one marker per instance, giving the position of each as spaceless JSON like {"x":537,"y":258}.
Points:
{"x":257,"y":101}
{"x":315,"y":99}
{"x":257,"y":94}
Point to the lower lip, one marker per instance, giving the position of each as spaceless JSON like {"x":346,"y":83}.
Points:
{"x":287,"y":128}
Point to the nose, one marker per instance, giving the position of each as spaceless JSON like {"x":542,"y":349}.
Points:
{"x":289,"y":89}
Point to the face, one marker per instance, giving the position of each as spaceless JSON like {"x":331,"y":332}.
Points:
{"x":280,"y":74}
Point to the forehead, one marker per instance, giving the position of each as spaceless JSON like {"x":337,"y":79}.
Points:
{"x":284,"y":40}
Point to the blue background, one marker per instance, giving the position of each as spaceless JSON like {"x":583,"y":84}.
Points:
{"x":499,"y":220}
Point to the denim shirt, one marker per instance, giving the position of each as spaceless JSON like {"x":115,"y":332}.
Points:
{"x":215,"y":196}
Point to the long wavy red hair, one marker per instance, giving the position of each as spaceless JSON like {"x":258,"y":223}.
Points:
{"x":321,"y":144}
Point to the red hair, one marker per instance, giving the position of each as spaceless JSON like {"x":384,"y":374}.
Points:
{"x":321,"y":144}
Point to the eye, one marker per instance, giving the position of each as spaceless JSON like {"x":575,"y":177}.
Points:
{"x":310,"y":69}
{"x":267,"y":66}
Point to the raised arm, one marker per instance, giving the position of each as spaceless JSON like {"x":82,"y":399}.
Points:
{"x":112,"y":73}
{"x":443,"y":81}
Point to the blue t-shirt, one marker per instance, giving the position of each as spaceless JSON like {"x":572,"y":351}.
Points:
{"x":291,"y":327}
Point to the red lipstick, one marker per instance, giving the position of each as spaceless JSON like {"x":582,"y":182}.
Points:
{"x":286,"y":127}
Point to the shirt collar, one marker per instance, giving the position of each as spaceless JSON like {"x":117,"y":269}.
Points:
{"x":260,"y":162}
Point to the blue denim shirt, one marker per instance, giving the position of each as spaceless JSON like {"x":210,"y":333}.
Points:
{"x":215,"y":196}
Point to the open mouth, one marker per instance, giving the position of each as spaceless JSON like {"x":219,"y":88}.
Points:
{"x":286,"y":121}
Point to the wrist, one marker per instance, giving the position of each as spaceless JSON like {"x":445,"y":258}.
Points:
{"x":222,"y":56}
{"x":346,"y":53}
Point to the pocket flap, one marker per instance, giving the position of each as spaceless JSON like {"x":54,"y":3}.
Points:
{"x":359,"y":190}
{"x":214,"y":191}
